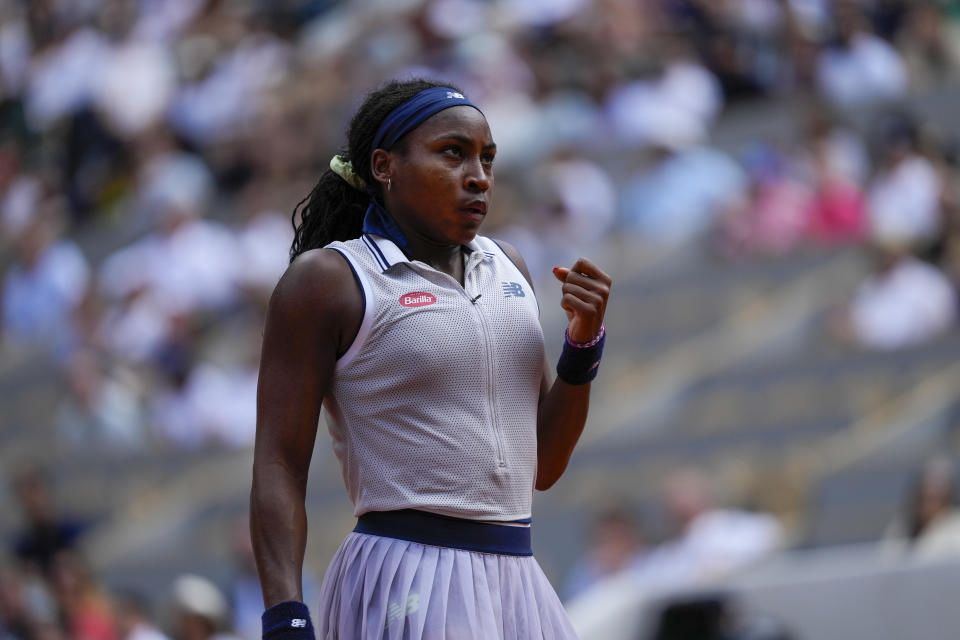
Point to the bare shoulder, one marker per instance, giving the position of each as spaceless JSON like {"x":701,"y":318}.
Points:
{"x":517,"y":259}
{"x":315,"y":276}
{"x":319,"y":289}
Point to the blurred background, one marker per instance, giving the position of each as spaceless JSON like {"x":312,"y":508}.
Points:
{"x":773,"y":185}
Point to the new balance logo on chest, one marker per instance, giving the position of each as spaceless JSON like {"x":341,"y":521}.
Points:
{"x":513,"y":290}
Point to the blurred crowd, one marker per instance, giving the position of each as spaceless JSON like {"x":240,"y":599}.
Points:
{"x":151,"y":152}
{"x":701,"y":541}
{"x":153,"y":149}
{"x":48,"y":590}
{"x":675,"y":559}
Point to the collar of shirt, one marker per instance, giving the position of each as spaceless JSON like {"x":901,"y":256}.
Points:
{"x":384,"y":239}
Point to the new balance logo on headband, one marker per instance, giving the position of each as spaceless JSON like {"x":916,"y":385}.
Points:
{"x":513,"y":290}
{"x":455,"y":94}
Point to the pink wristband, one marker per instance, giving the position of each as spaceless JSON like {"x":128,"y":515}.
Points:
{"x":586,"y":345}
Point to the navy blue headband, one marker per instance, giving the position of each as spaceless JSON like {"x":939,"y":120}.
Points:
{"x":414,"y":111}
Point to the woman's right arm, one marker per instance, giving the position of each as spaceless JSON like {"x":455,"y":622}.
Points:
{"x":313,"y":314}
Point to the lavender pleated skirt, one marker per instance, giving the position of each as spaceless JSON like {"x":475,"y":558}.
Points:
{"x":380,"y":588}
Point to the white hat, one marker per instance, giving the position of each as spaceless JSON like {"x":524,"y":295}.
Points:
{"x":196,"y":595}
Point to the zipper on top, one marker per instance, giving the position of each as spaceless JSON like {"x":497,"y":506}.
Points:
{"x":468,"y":277}
{"x":491,"y":373}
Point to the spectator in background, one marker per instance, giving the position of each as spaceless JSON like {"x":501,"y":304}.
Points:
{"x":859,"y":67}
{"x":616,"y":541}
{"x":776,"y":217}
{"x":681,"y":101}
{"x":65,"y":76}
{"x":17,"y":621}
{"x":684,"y":192}
{"x":20,"y":192}
{"x":198,"y":404}
{"x":903,"y":198}
{"x":224,"y":402}
{"x":930,"y":46}
{"x":170,"y":177}
{"x":133,"y":618}
{"x":45,"y":533}
{"x":171,"y":414}
{"x":834,"y":164}
{"x":578,"y":205}
{"x":201,"y":611}
{"x":930,"y":523}
{"x":803,"y":24}
{"x":188,"y":266}
{"x":48,"y":280}
{"x":135,"y":86}
{"x":709,"y":541}
{"x":904,"y":303}
{"x":264,"y":240}
{"x":740,"y":57}
{"x":85,"y":611}
{"x":64,"y":72}
{"x":100,"y":412}
{"x":843,"y":149}
{"x":223,"y":93}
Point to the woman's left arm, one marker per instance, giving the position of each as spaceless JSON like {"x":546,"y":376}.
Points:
{"x":562,"y":413}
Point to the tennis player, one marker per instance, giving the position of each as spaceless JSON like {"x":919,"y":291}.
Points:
{"x":422,"y":340}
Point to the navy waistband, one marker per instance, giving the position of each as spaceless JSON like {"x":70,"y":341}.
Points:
{"x":443,"y":531}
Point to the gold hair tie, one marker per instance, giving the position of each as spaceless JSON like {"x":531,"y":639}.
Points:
{"x":344,"y":169}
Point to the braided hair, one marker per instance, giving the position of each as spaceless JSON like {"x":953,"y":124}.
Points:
{"x":334,"y":210}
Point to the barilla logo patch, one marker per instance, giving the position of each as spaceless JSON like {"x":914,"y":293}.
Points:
{"x":417,"y":299}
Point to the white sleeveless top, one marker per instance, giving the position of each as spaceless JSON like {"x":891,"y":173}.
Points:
{"x":434,"y":405}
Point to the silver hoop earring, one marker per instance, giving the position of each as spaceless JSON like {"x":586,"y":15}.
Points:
{"x":389,"y":184}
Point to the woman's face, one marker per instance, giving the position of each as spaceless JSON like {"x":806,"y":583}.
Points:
{"x":442,"y":183}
